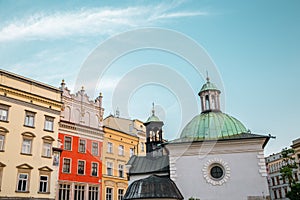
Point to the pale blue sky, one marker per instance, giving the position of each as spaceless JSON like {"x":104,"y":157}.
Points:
{"x":254,"y":44}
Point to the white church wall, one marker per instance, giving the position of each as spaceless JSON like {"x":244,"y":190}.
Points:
{"x":245,"y":174}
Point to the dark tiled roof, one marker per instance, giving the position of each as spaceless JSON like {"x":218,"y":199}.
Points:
{"x":147,"y":164}
{"x":153,"y":187}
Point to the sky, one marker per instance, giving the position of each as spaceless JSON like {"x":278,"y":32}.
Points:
{"x":139,"y":52}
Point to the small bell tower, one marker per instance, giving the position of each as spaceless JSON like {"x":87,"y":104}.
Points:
{"x":154,"y":135}
{"x":210,"y":97}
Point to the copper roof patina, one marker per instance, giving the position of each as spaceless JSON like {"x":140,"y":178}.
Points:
{"x":212,"y":125}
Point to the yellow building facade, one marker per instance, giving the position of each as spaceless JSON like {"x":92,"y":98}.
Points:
{"x":29,"y":146}
{"x":120,"y":143}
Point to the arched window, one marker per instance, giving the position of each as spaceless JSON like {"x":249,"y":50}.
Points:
{"x":213,"y":102}
{"x":207,"y":106}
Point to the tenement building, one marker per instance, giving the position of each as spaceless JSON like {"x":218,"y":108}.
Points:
{"x":279,"y":186}
{"x":123,"y":138}
{"x":29,"y":116}
{"x":81,"y":136}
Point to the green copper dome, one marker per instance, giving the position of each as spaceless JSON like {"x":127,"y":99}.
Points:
{"x":212,"y":125}
{"x":208,"y":86}
{"x":152,"y":118}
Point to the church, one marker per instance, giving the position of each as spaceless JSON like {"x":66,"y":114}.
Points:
{"x":215,"y":157}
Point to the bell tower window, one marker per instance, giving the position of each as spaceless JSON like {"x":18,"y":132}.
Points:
{"x":213,"y":102}
{"x":207,"y":106}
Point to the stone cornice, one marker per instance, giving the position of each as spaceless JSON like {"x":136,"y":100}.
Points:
{"x":28,"y":80}
{"x":29,"y":105}
{"x":31,"y":97}
{"x":81,"y":130}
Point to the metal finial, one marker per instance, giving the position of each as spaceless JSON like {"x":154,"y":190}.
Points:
{"x":153,"y":111}
{"x":207,"y":77}
{"x":62,"y":82}
{"x":117,"y":112}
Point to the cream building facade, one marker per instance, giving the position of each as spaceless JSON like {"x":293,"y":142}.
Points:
{"x":123,"y":138}
{"x":29,"y":153}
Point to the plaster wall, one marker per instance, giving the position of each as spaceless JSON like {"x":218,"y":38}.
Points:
{"x":243,"y":163}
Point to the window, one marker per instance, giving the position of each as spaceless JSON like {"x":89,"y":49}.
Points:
{"x":80,"y":169}
{"x":95,"y":150}
{"x":94,"y":169}
{"x":47,"y":149}
{"x":216,"y":172}
{"x":109,"y":194}
{"x":131,"y":152}
{"x":26,"y":146}
{"x":22,"y":182}
{"x":93,"y":192}
{"x":81,"y":147}
{"x":121,"y":171}
{"x":43,"y":184}
{"x":3,"y":112}
{"x":121,"y":150}
{"x":109,"y":168}
{"x":142,"y":147}
{"x":67,"y":165}
{"x":2,"y":139}
{"x":109,"y":147}
{"x":120,"y":194}
{"x":68,"y":143}
{"x":49,"y":123}
{"x":207,"y":107}
{"x":1,"y":173}
{"x":79,"y":192}
{"x":64,"y":192}
{"x":29,"y":118}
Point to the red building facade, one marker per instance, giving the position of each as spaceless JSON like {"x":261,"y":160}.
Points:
{"x":81,"y":137}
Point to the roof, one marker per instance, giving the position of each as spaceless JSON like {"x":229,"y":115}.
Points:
{"x":153,"y":187}
{"x":122,"y":124}
{"x":152,"y":118}
{"x":208,"y":86}
{"x":212,"y":125}
{"x":147,"y":164}
{"x":232,"y":137}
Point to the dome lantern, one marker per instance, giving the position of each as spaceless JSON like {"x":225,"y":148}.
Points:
{"x":210,"y":97}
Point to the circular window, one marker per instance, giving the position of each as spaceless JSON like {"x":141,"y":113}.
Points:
{"x":216,"y":172}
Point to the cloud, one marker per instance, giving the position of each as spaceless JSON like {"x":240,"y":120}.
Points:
{"x":87,"y":22}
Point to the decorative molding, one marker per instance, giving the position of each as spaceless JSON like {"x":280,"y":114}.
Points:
{"x":28,"y":134}
{"x":45,"y":169}
{"x":109,"y":183}
{"x":3,"y":130}
{"x":80,"y":129}
{"x":49,"y":138}
{"x":30,"y":96}
{"x":262,"y":164}
{"x":206,"y":171}
{"x":173,"y":174}
{"x":30,"y":105}
{"x":24,"y":166}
